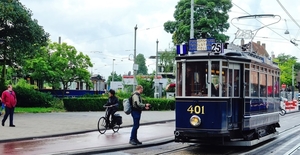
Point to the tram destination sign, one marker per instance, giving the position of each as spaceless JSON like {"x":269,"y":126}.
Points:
{"x":201,"y":44}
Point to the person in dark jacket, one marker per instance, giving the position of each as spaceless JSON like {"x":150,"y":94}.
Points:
{"x":113,"y":103}
{"x":136,"y":111}
{"x":10,"y":100}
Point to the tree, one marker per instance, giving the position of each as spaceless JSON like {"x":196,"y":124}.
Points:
{"x":141,"y":61}
{"x":210,"y":20}
{"x":62,"y":64}
{"x":22,"y":35}
{"x":147,"y":83}
{"x":116,"y":77}
{"x":167,"y":60}
{"x":285,"y":64}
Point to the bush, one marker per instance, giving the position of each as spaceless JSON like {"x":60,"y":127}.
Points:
{"x":96,"y":104}
{"x":28,"y":97}
{"x":84,"y":104}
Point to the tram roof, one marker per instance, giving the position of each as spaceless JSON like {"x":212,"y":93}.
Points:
{"x":230,"y":55}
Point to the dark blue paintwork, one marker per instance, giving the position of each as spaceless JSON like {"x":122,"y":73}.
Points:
{"x":214,"y":117}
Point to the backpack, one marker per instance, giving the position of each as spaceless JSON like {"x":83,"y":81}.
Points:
{"x":127,"y":103}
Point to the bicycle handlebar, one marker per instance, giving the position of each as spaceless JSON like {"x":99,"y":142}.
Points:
{"x":108,"y":106}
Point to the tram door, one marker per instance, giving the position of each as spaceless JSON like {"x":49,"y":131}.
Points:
{"x":234,"y":87}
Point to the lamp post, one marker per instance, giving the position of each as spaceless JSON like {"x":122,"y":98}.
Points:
{"x":134,"y":57}
{"x":156,"y":67}
{"x":113,"y":70}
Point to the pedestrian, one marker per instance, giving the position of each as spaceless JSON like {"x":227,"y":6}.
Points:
{"x":136,"y":111}
{"x":2,"y":107}
{"x":10,"y":100}
{"x":113,"y":103}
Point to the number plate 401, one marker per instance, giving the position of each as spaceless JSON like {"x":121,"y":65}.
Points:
{"x":195,"y":109}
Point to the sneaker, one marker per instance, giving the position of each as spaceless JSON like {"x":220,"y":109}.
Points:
{"x":138,"y":142}
{"x":132,"y":142}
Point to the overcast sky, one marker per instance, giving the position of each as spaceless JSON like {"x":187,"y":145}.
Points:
{"x":104,"y":30}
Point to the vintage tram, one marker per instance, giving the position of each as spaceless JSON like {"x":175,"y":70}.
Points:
{"x":228,"y":98}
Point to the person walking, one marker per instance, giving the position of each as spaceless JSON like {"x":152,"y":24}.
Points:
{"x":136,"y":111}
{"x":10,"y":100}
{"x":113,"y":103}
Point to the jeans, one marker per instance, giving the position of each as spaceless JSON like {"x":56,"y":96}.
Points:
{"x":136,"y":116}
{"x":10,"y":112}
{"x":110,"y":114}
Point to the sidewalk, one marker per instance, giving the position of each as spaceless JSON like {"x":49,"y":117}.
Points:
{"x":29,"y":126}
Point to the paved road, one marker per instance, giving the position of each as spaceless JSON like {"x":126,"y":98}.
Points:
{"x":40,"y":125}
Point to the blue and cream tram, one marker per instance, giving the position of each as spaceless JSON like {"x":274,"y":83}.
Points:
{"x":226,"y":99}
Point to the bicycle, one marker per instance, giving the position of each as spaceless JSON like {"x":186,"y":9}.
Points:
{"x":282,"y":111}
{"x":114,"y":124}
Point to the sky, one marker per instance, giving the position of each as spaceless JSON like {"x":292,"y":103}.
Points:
{"x":105,"y":30}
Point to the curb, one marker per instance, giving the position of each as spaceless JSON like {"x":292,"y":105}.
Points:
{"x":74,"y":133}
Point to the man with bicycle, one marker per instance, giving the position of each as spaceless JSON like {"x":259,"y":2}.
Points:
{"x":113,"y":104}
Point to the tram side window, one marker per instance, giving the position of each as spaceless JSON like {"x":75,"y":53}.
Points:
{"x":246,"y":85}
{"x":263,"y":83}
{"x":179,"y":79}
{"x":270,"y":86}
{"x":196,"y":79}
{"x":276,"y":89}
{"x":254,"y":83}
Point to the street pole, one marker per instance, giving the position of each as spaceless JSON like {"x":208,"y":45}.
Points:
{"x":134,"y":57}
{"x":192,"y":20}
{"x":156,"y":91}
{"x":113,"y":74}
{"x":293,"y":82}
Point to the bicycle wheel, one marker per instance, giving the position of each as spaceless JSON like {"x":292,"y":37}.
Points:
{"x":282,"y":112}
{"x":102,"y":125}
{"x":116,"y":128}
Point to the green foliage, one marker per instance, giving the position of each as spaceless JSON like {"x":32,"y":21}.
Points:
{"x":28,"y":97}
{"x":84,"y":104}
{"x":141,"y":61}
{"x":37,"y":110}
{"x":210,"y":20}
{"x":96,"y":104}
{"x":285,"y":64}
{"x":167,"y":60}
{"x":116,"y":77}
{"x":60,"y":63}
{"x":148,"y":88}
{"x":22,"y":35}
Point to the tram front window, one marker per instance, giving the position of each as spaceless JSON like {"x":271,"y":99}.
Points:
{"x":196,"y":79}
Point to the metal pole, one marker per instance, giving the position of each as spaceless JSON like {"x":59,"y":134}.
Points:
{"x":156,"y":91}
{"x":292,"y":82}
{"x":113,"y":74}
{"x":192,"y":20}
{"x":134,"y":56}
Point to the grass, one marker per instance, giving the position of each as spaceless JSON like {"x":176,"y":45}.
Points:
{"x":37,"y":110}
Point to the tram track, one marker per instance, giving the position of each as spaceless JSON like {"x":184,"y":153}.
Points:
{"x":286,"y":143}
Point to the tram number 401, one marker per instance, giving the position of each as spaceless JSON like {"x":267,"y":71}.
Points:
{"x":196,"y":109}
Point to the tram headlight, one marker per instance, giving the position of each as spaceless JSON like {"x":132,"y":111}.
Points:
{"x":195,"y":120}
